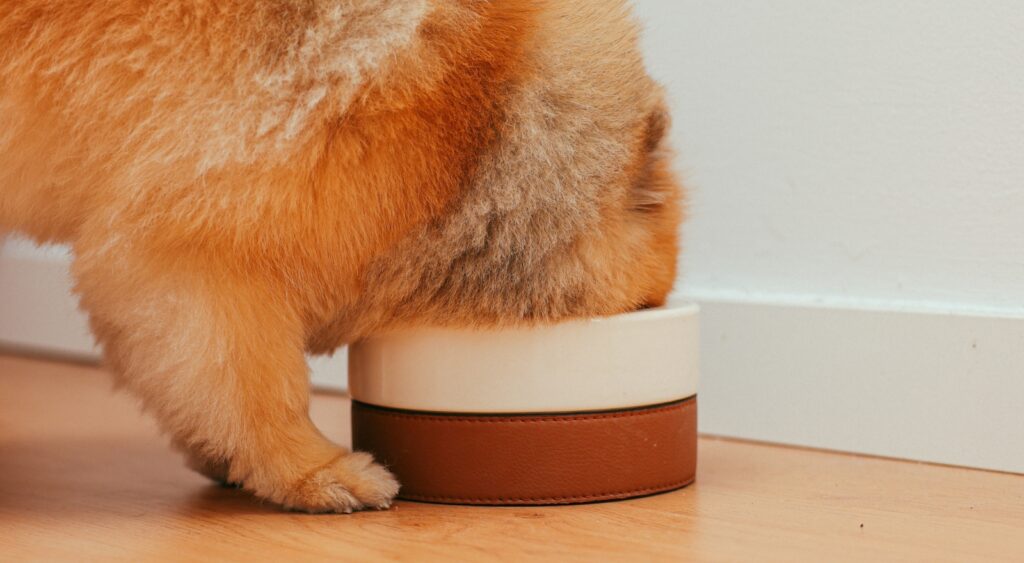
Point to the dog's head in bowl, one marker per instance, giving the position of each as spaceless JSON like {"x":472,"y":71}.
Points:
{"x":245,"y":181}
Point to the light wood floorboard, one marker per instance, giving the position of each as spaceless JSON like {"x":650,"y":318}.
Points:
{"x":83,"y":476}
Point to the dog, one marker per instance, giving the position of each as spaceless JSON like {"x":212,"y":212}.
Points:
{"x":243,"y":182}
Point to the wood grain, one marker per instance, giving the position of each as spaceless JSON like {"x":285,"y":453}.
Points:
{"x":83,"y":476}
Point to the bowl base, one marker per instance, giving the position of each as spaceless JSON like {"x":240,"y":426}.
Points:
{"x":532,"y":459}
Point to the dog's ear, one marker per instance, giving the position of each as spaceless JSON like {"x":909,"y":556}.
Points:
{"x":652,"y":187}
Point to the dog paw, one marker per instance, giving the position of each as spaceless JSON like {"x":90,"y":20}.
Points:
{"x":349,"y":483}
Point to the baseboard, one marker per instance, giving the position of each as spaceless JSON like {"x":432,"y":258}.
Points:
{"x":945,"y":387}
{"x":39,"y":315}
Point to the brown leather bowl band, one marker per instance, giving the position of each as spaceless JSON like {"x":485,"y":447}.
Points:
{"x":532,"y":458}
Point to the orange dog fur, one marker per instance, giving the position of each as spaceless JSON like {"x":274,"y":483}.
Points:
{"x":243,"y":182}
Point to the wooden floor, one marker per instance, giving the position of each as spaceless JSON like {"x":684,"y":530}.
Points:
{"x":84,"y":477}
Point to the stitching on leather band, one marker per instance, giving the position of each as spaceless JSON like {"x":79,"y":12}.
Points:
{"x":572,"y":498}
{"x":528,"y":418}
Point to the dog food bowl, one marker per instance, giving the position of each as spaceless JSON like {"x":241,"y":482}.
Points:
{"x":582,"y":411}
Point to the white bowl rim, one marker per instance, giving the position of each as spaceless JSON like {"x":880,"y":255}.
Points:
{"x":623,"y":361}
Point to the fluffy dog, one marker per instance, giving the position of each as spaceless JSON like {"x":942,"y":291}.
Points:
{"x":245,"y":181}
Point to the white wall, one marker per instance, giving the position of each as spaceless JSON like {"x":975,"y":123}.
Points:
{"x":863,"y":151}
{"x":857,"y":229}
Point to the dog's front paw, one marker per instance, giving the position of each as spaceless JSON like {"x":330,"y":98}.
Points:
{"x":351,"y":482}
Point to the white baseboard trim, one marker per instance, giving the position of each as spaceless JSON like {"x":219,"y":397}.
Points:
{"x":923,"y":385}
{"x":38,"y":313}
{"x":938,"y":387}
